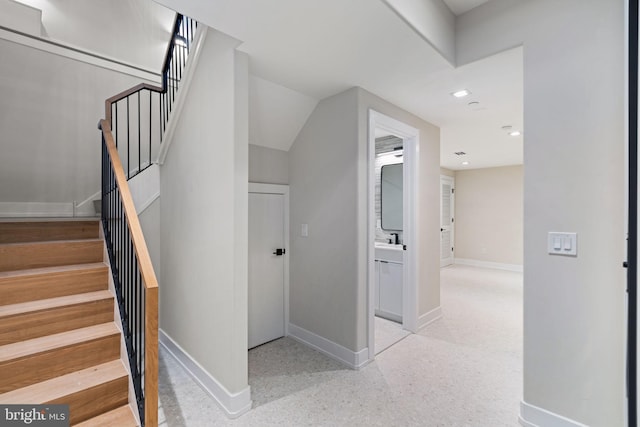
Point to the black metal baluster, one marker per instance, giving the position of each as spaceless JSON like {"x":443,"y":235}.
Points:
{"x":128,"y":281}
{"x":150,"y":97}
{"x":139,"y":141}
{"x":139,"y":331}
{"x":115,"y":138}
{"x":128,"y":138}
{"x":186,"y":31}
{"x":121,"y":270}
{"x":161,"y":101}
{"x":175,"y":73}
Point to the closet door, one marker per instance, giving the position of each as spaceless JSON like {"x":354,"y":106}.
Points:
{"x":266,"y":268}
{"x":446,"y":220}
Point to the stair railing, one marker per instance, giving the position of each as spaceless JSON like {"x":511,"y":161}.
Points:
{"x":134,"y":279}
{"x":135,"y":283}
{"x":138,"y":117}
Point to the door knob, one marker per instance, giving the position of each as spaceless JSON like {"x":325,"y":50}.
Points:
{"x":279,"y":252}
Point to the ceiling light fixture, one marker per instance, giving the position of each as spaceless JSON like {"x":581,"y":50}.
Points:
{"x":472,"y":103}
{"x":461,"y":93}
{"x":507,"y":127}
{"x":515,"y":133}
{"x":465,"y":163}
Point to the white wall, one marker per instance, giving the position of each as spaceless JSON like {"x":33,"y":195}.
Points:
{"x":50,"y":143}
{"x":574,"y":307}
{"x":323,"y":178}
{"x":203,"y":298}
{"x":20,"y":17}
{"x":268,"y":165}
{"x":133,"y":31}
{"x":447,"y":172}
{"x":151,"y":229}
{"x":488,"y":215}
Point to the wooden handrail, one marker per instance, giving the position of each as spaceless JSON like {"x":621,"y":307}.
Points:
{"x":148,"y":278}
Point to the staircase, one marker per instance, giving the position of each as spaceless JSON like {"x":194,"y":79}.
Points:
{"x":59,"y":343}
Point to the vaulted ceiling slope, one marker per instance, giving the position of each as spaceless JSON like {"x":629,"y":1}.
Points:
{"x":401,"y":50}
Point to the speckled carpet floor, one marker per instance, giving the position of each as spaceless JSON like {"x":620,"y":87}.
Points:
{"x":387,"y":333}
{"x":462,"y":370}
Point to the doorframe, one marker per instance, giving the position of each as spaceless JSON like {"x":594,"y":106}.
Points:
{"x":281,"y":189}
{"x":632,"y":214}
{"x":411,"y":138}
{"x":452,"y":207}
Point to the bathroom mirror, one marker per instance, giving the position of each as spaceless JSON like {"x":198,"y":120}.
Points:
{"x":391,"y":197}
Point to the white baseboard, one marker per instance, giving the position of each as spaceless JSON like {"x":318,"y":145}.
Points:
{"x":533,"y":416}
{"x":429,"y":317}
{"x":35,"y":210}
{"x":352,"y":359}
{"x":488,"y":264}
{"x":45,"y":210}
{"x":233,"y":404}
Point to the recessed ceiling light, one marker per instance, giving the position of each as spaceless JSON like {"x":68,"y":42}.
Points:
{"x":461,"y":93}
{"x":465,"y":163}
{"x":472,"y":103}
{"x":515,"y":133}
{"x":459,"y":153}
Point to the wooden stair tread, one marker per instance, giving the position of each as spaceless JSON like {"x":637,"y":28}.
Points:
{"x":121,"y":417}
{"x":59,"y":387}
{"x":26,"y":348}
{"x":51,"y":303}
{"x":51,"y":270}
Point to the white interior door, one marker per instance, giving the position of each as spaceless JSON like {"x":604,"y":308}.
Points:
{"x":266,"y":268}
{"x":446,"y":220}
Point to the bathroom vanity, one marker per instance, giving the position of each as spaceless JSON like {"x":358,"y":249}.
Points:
{"x":388,"y":281}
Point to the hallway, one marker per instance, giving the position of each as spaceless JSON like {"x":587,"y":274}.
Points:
{"x":462,"y":370}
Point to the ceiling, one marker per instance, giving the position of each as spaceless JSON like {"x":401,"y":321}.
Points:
{"x":304,"y":51}
{"x":458,"y":7}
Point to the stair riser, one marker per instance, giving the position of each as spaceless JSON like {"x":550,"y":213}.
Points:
{"x":50,"y":254}
{"x":16,"y":232}
{"x":96,"y":400}
{"x":15,"y":290}
{"x":43,"y":366}
{"x":52,"y":321}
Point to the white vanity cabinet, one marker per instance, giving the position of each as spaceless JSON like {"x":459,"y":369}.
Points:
{"x":388,"y":285}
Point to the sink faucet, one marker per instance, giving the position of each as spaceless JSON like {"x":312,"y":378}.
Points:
{"x":396,"y":239}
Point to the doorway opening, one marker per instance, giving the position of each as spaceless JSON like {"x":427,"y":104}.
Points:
{"x":392,"y":287}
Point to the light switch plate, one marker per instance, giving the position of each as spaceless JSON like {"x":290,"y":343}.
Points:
{"x":559,"y":243}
